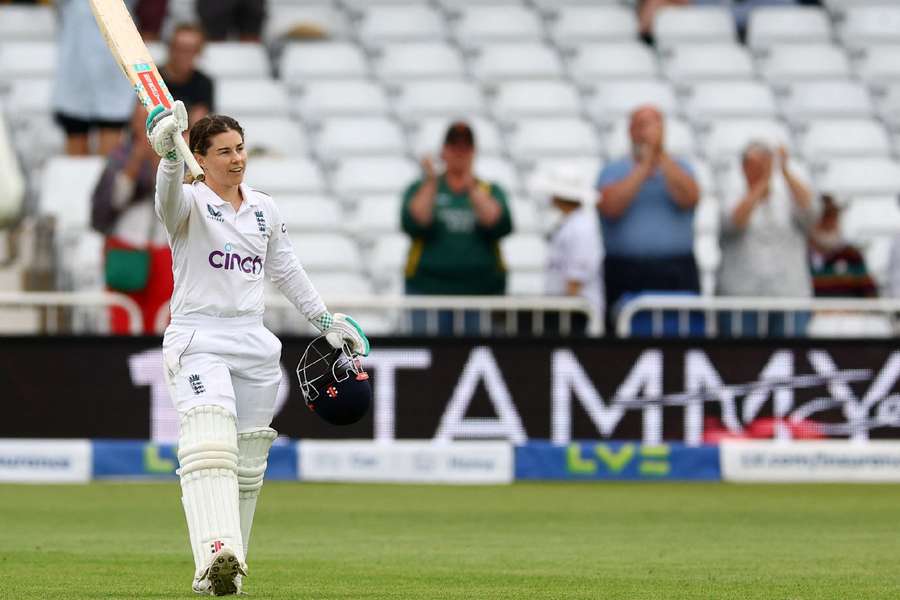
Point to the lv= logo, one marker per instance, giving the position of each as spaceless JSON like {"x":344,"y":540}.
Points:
{"x":651,"y":460}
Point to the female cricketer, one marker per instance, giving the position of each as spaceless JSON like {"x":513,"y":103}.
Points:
{"x":221,"y":363}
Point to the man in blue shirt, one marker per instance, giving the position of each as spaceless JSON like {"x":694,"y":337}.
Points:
{"x":647,"y":211}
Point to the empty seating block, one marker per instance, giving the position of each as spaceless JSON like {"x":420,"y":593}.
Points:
{"x":331,"y":252}
{"x":880,"y":65}
{"x":546,"y":137}
{"x":614,"y":100}
{"x":604,"y":61}
{"x":861,"y":176}
{"x":27,"y":59}
{"x":258,"y":97}
{"x":516,"y":61}
{"x":711,"y":100}
{"x":374,"y":175}
{"x":235,"y":60}
{"x":787,"y":63}
{"x":374,"y":216}
{"x":575,"y":24}
{"x":845,"y":137}
{"x":349,"y":136}
{"x":285,"y":19}
{"x":524,"y":252}
{"x":383,"y":23}
{"x":867,"y":25}
{"x":776,"y":24}
{"x":310,"y":213}
{"x":305,"y":61}
{"x":826,"y":99}
{"x":497,"y":170}
{"x":322,"y":99}
{"x":285,"y":176}
{"x":728,"y":138}
{"x":27,"y":23}
{"x":676,"y":25}
{"x":438,"y":97}
{"x":274,"y":136}
{"x":501,"y":22}
{"x":536,"y":98}
{"x":67,"y":184}
{"x":417,"y":60}
{"x":708,"y":61}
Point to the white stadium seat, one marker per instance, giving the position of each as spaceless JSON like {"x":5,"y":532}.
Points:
{"x":67,"y":184}
{"x":845,"y":137}
{"x":27,"y":59}
{"x":524,"y":252}
{"x":526,"y":217}
{"x":334,"y":285}
{"x":787,"y":63}
{"x":27,"y":22}
{"x":374,"y":175}
{"x":376,"y":215}
{"x":692,"y":62}
{"x":419,"y":60}
{"x":707,"y":215}
{"x":679,"y":139}
{"x":302,"y":62}
{"x":285,"y":18}
{"x":867,"y":25}
{"x":333,"y":252}
{"x":438,"y":97}
{"x":552,"y":136}
{"x":770,"y":25}
{"x":429,"y":135}
{"x":235,"y":60}
{"x":860,"y":177}
{"x":516,"y":61}
{"x":277,"y":176}
{"x":497,"y":22}
{"x":515,"y":99}
{"x":867,"y":216}
{"x":310,"y":213}
{"x":497,"y":170}
{"x":827,"y":99}
{"x":689,"y":24}
{"x":351,"y":136}
{"x":712,"y":100}
{"x":880,"y":65}
{"x":728,"y":138}
{"x":889,"y":104}
{"x":616,"y":99}
{"x":252,"y":97}
{"x":383,"y":23}
{"x":274,"y":136}
{"x":601,"y":62}
{"x":354,"y":97}
{"x":29,"y":97}
{"x":580,"y":23}
{"x":386,"y":262}
{"x":525,"y":283}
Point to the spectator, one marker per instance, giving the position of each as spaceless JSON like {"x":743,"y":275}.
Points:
{"x":122,"y":209}
{"x":149,"y":16}
{"x":838,"y":267}
{"x":764,"y":239}
{"x":647,"y":211}
{"x":647,"y":9}
{"x":12,"y":183}
{"x":184,"y":80}
{"x":222,"y":18}
{"x":574,"y":263}
{"x":90,"y":92}
{"x":456,"y":221}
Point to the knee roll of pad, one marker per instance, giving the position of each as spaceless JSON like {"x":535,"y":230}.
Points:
{"x":253,"y":453}
{"x":208,"y":440}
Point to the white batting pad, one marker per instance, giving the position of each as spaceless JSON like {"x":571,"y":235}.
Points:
{"x":253,"y":454}
{"x":208,"y":454}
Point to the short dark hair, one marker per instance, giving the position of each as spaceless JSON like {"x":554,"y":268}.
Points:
{"x":459,"y":132}
{"x":187,"y":26}
{"x":205,"y":128}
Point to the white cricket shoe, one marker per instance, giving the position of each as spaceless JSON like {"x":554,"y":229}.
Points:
{"x":223,"y":575}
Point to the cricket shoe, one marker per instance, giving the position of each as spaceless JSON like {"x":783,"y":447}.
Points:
{"x":223,"y":575}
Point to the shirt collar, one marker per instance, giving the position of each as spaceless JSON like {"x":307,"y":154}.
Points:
{"x":250,"y":197}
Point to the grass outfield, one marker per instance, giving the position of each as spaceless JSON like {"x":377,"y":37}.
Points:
{"x":560,"y":541}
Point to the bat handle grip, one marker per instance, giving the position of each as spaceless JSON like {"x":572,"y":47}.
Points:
{"x":188,"y":157}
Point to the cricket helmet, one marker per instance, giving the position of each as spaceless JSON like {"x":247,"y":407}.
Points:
{"x":333,"y":383}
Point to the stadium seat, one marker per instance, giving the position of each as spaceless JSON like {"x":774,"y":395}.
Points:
{"x":429,"y":135}
{"x":889,"y":105}
{"x":351,"y":136}
{"x":868,"y":25}
{"x":256,"y":97}
{"x":679,"y":139}
{"x":602,"y":62}
{"x":880,"y":65}
{"x":690,"y":24}
{"x":274,"y":136}
{"x":29,"y":97}
{"x":707,"y":216}
{"x":524,"y":252}
{"x":583,"y":23}
{"x":277,"y":176}
{"x":844,"y":137}
{"x":354,"y":97}
{"x":516,"y":61}
{"x":343,"y":285}
{"x":67,"y":183}
{"x":27,"y":59}
{"x":770,"y":25}
{"x":287,"y":19}
{"x":310,"y":213}
{"x":865,"y":217}
{"x":516,"y":99}
{"x":331,"y":252}
{"x":826,"y":99}
{"x":27,"y":22}
{"x":448,"y":98}
{"x":850,"y":177}
{"x":386,"y":262}
{"x":787,"y":63}
{"x":723,"y":99}
{"x":614,"y":100}
{"x":727,"y":138}
{"x":703,"y":173}
{"x":552,"y":136}
{"x":526,"y":217}
{"x":384,"y":23}
{"x":692,"y":62}
{"x":305,"y":61}
{"x":497,"y":22}
{"x":374,"y":216}
{"x":497,"y":170}
{"x":525,"y":283}
{"x":235,"y":60}
{"x":419,"y":60}
{"x":374,"y":175}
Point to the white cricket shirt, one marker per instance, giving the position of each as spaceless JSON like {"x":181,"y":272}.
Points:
{"x":576,"y":254}
{"x":219,"y":257}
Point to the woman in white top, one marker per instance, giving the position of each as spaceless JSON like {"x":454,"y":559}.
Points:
{"x":221,"y":363}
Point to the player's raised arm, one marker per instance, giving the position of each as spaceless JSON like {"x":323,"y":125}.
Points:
{"x":162,"y":127}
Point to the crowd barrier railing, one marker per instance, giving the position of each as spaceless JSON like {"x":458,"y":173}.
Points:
{"x":54,"y":301}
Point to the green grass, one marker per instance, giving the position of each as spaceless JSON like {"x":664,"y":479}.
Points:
{"x":605,"y":541}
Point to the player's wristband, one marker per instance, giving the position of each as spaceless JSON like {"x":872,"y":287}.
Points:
{"x":322,"y":321}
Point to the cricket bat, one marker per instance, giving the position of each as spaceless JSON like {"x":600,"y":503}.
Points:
{"x":131,"y":53}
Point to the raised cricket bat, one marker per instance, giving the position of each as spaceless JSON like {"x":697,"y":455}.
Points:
{"x":131,"y":53}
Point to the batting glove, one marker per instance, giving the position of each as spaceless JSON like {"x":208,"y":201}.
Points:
{"x":163,"y":125}
{"x":340,"y":329}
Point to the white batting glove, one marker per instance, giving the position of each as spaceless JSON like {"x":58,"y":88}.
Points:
{"x":340,"y":329}
{"x":162,"y":127}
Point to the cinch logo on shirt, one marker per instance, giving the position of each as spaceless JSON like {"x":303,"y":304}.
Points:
{"x":230,"y":261}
